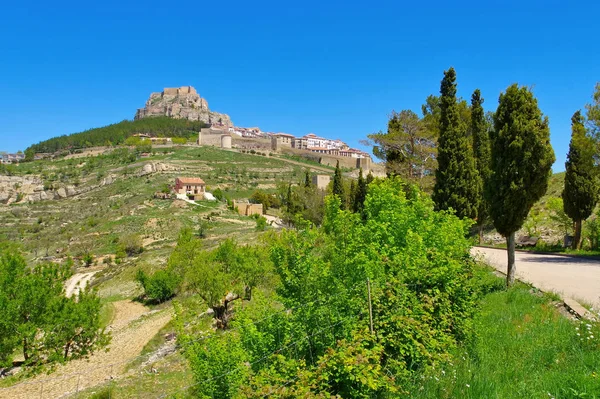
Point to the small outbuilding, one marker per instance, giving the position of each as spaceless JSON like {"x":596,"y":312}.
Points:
{"x":246,"y":208}
{"x":321,"y":181}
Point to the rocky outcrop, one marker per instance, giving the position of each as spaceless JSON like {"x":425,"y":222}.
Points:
{"x":181,"y":103}
{"x":31,"y":189}
{"x":17,"y":188}
{"x":154,"y":167}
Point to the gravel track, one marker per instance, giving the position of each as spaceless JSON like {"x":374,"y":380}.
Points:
{"x":132,"y":327}
{"x":572,"y":277}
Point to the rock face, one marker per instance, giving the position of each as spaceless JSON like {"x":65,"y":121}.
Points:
{"x":154,"y":167}
{"x":31,"y":189}
{"x":181,"y":103}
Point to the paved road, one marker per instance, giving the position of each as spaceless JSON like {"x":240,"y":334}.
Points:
{"x":576,"y":278}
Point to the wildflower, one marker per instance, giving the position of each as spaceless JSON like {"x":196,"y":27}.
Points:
{"x":468,"y":386}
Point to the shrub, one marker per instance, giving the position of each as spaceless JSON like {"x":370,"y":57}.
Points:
{"x":261,"y":223}
{"x":130,"y":245}
{"x":160,"y":286}
{"x":218,"y":194}
{"x":88,"y":259}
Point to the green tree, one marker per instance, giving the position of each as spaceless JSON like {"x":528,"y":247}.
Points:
{"x":408,"y":148}
{"x":307,"y":180}
{"x":481,"y":151}
{"x":261,"y":197}
{"x":580,"y":192}
{"x":338,"y":184}
{"x":456,"y":179}
{"x":37,"y":317}
{"x":593,"y":113}
{"x":521,"y":164}
{"x":360,"y":194}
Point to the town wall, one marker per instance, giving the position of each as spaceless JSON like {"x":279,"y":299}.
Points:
{"x":176,"y":91}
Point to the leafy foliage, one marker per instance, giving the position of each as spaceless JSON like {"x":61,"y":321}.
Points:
{"x":37,"y":317}
{"x":408,"y":148}
{"x":160,"y":286}
{"x":130,"y":245}
{"x":423,"y":300}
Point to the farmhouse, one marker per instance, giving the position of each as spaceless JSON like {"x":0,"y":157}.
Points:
{"x":193,"y":187}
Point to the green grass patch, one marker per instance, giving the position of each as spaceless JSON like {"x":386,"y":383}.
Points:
{"x":524,"y":348}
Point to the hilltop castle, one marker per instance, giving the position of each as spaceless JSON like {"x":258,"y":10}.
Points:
{"x":181,"y":103}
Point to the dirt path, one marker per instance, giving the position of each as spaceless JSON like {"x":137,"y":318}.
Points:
{"x":78,"y":281}
{"x":575,"y":278}
{"x":132,"y":327}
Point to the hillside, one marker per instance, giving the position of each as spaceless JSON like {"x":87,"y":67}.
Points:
{"x":117,"y":133}
{"x":114,"y":202}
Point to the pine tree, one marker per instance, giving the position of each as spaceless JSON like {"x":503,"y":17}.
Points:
{"x":338,"y":184}
{"x":456,"y":184}
{"x":520,"y":166}
{"x":481,"y":151}
{"x":580,"y":192}
{"x":360,"y":194}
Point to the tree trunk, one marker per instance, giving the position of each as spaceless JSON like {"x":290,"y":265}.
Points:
{"x":480,"y":228}
{"x":577,"y":236}
{"x":25,"y":349}
{"x":510,"y":249}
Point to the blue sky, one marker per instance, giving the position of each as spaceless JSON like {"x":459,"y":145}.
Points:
{"x":333,"y":68}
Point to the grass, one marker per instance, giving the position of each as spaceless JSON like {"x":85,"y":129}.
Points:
{"x":524,"y":348}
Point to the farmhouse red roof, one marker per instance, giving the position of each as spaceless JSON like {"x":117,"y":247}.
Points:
{"x":191,"y":180}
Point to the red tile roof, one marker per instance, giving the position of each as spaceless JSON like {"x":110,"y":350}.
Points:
{"x":191,"y":180}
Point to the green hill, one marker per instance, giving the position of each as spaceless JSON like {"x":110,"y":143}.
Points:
{"x":117,"y":133}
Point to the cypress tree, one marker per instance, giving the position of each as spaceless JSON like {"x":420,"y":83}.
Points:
{"x":338,"y":185}
{"x":456,"y":179}
{"x":307,"y":180}
{"x":580,"y":192}
{"x":481,"y":151}
{"x":370,"y":178}
{"x":351,"y":197}
{"x":520,"y":166}
{"x":360,"y":194}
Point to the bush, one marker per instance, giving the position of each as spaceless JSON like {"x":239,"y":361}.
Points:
{"x":261,"y":223}
{"x":218,"y":194}
{"x":88,"y":259}
{"x":160,"y":286}
{"x":130,"y":245}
